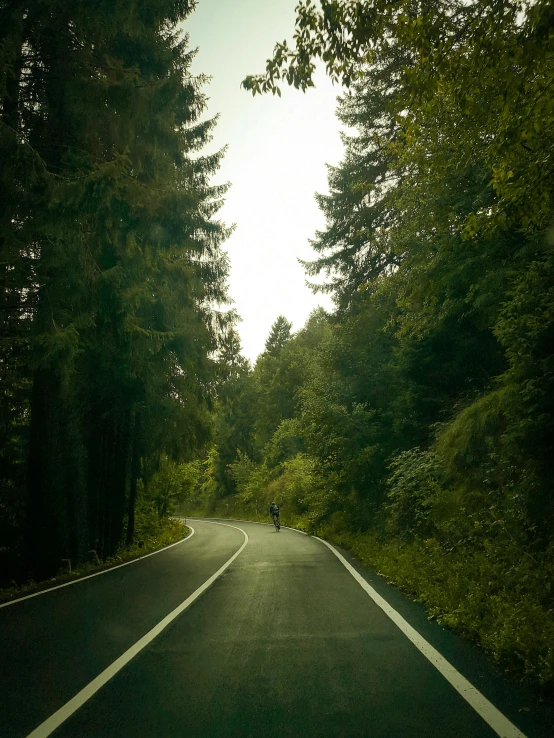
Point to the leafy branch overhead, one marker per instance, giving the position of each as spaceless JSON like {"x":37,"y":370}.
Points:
{"x":491,"y":60}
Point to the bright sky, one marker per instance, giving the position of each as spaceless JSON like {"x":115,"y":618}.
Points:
{"x":277,"y":151}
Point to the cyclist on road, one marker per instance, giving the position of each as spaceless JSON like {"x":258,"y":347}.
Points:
{"x":274,"y":511}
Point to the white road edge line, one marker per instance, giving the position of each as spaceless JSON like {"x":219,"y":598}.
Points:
{"x":490,"y":714}
{"x":54,"y":721}
{"x":98,"y":573}
{"x":240,"y":520}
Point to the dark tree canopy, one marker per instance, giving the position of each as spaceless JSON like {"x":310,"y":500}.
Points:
{"x":111,"y":269}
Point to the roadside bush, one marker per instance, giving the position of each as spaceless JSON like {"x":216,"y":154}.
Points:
{"x":413,"y":489}
{"x":506,"y":608}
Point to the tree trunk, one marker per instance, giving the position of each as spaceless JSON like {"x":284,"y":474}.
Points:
{"x":133,"y":476}
{"x":10,"y":103}
{"x":44,"y":545}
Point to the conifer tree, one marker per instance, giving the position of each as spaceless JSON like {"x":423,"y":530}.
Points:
{"x":126,"y":268}
{"x":279,"y":335}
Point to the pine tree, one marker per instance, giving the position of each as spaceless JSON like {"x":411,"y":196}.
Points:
{"x":279,"y":336}
{"x":126,"y":264}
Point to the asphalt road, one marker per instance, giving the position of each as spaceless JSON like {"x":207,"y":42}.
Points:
{"x":285,"y":642}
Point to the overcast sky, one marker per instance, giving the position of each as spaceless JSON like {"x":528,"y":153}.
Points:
{"x":275,"y":161}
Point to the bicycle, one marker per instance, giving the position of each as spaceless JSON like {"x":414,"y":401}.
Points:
{"x":276,"y":523}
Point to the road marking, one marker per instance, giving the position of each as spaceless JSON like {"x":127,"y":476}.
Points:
{"x":54,"y":721}
{"x":254,"y":522}
{"x":296,"y":530}
{"x":490,"y":714}
{"x":233,"y":520}
{"x":98,"y":573}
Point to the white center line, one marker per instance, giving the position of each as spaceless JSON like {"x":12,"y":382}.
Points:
{"x":54,"y":721}
{"x":490,"y":714}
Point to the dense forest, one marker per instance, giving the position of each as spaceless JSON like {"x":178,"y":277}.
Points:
{"x":414,"y":423}
{"x":111,"y":274}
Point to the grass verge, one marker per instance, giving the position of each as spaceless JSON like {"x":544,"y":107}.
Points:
{"x":170,"y":532}
{"x":465,"y":592}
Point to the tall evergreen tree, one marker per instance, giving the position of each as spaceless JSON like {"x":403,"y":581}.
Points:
{"x":126,"y":266}
{"x":279,"y":335}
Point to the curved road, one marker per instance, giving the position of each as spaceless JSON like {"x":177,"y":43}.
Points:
{"x":284,"y":642}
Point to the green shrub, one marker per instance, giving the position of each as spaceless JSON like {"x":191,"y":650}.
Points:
{"x":501,"y":602}
{"x":413,"y":489}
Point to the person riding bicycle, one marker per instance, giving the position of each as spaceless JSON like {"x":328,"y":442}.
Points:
{"x":274,"y":511}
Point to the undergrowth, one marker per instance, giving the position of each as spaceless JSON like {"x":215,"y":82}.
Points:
{"x":465,"y":592}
